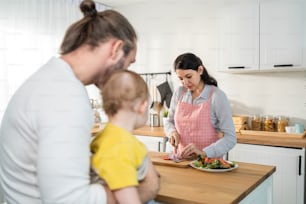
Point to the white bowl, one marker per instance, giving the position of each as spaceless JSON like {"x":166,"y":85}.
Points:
{"x":290,"y":129}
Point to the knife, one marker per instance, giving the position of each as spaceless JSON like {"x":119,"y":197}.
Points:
{"x":176,"y":158}
{"x":175,"y":150}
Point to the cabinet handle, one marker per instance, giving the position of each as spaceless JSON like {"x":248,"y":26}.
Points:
{"x":238,"y":67}
{"x":283,"y":65}
{"x":300,"y":165}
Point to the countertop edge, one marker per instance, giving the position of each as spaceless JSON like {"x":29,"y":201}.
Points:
{"x":244,"y":139}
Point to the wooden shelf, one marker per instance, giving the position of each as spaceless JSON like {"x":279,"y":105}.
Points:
{"x":274,"y":134}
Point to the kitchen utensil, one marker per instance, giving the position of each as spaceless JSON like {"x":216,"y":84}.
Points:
{"x":154,"y":120}
{"x":155,"y":114}
{"x":165,"y":93}
{"x":158,"y":159}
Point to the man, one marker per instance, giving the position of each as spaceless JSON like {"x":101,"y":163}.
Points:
{"x":45,"y":132}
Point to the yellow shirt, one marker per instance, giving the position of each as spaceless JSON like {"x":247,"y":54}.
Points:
{"x":118,"y":157}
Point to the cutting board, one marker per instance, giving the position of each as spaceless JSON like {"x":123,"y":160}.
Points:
{"x":158,"y":159}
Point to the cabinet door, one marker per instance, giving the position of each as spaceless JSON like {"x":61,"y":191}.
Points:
{"x":152,"y":143}
{"x":288,"y":180}
{"x":239,"y":35}
{"x":282,"y":34}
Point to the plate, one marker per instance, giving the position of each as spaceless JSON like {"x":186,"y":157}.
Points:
{"x":213,"y":170}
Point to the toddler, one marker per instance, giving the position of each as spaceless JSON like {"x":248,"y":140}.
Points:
{"x":118,"y":157}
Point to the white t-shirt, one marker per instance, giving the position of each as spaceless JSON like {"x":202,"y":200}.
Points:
{"x":45,"y":138}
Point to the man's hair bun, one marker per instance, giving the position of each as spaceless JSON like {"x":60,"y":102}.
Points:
{"x":88,"y":8}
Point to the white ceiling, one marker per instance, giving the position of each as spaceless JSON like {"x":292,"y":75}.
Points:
{"x":118,"y":3}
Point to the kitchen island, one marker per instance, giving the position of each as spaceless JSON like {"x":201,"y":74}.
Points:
{"x":286,"y":153}
{"x":249,"y":183}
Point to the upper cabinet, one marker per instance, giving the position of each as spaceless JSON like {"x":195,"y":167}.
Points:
{"x":282,"y":34}
{"x":262,"y":35}
{"x":238,"y":35}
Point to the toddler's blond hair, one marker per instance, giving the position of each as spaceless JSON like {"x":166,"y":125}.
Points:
{"x":122,"y":90}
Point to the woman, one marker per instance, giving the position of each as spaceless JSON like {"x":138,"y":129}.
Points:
{"x":200,"y":119}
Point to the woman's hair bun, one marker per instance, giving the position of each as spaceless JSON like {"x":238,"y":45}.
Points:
{"x":88,"y":8}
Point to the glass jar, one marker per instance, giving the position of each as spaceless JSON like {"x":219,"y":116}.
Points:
{"x":256,"y":123}
{"x":282,"y":122}
{"x":269,"y":124}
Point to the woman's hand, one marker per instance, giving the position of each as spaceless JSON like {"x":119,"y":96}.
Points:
{"x":191,"y":151}
{"x":174,"y":139}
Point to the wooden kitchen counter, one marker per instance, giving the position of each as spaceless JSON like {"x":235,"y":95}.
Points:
{"x":272,"y":141}
{"x":189,"y":185}
{"x":150,"y":131}
{"x":245,"y":139}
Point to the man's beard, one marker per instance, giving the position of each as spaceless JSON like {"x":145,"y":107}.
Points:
{"x":109,"y":70}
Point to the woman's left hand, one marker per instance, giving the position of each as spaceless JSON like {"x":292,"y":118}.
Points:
{"x":190,"y":151}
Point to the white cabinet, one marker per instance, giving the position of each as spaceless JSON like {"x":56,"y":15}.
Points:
{"x":282,"y":33}
{"x":289,"y":178}
{"x":152,"y":143}
{"x":238,"y":35}
{"x":159,"y":144}
{"x":262,"y":194}
{"x":262,"y":35}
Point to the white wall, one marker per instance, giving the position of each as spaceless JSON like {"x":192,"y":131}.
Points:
{"x":170,"y":28}
{"x":31,"y":33}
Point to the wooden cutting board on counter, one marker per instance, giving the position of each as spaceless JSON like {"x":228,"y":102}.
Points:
{"x":158,"y":159}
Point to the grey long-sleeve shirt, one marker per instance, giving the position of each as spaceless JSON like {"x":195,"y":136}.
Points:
{"x":220,"y":114}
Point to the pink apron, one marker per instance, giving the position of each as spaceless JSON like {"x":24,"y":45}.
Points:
{"x":193,"y":124}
